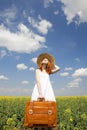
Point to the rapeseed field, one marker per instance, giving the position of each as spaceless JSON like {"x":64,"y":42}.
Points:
{"x":71,"y":112}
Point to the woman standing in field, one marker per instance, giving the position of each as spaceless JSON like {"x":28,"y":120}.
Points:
{"x":43,"y":87}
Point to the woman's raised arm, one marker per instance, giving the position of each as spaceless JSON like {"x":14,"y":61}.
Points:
{"x":56,"y":69}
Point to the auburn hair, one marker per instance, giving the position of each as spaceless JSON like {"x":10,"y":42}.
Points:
{"x":48,"y":67}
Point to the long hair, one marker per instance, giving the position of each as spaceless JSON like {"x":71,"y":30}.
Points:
{"x":48,"y":67}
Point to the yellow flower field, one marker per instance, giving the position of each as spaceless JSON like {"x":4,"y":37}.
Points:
{"x":71,"y":112}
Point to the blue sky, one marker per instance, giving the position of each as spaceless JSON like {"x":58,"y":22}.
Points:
{"x":31,"y":27}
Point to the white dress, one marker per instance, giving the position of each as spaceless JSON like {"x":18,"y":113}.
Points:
{"x":46,"y":88}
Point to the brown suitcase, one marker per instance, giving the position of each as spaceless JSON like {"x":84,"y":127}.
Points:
{"x":41,"y":113}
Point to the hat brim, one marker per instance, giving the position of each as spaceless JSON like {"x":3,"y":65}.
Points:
{"x":48,"y":56}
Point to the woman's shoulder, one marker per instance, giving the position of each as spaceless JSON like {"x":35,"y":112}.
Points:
{"x":38,"y":70}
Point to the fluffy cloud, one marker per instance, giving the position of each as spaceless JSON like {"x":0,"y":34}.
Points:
{"x":47,"y":2}
{"x":42,"y":26}
{"x":3,"y":53}
{"x":75,"y":10}
{"x":64,"y":74}
{"x":21,"y":66}
{"x":8,"y":15}
{"x":77,"y":78}
{"x":25,"y":82}
{"x":75,"y":83}
{"x":31,"y":69}
{"x":2,"y":77}
{"x":23,"y":41}
{"x":82,"y":72}
{"x":34,"y":59}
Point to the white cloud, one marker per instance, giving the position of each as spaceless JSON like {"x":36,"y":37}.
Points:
{"x":82,"y":72}
{"x":75,"y":83}
{"x":68,"y":68}
{"x":47,"y":2}
{"x":23,"y":41}
{"x":8,"y":15}
{"x":42,"y":26}
{"x":64,"y":74}
{"x":31,"y":69}
{"x":75,"y":10}
{"x":34,"y":59}
{"x":77,"y":75}
{"x":25,"y":82}
{"x":21,"y":66}
{"x":3,"y":53}
{"x":2,"y":77}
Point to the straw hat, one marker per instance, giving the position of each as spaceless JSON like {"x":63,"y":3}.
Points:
{"x":48,"y":56}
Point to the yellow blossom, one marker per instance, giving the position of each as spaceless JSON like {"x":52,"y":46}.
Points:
{"x":71,"y":119}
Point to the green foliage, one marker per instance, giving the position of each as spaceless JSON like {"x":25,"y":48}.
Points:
{"x":71,"y":112}
{"x":12,"y":112}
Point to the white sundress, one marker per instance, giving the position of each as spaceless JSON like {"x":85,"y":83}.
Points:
{"x":46,"y":88}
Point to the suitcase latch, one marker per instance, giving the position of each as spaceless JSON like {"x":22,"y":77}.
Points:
{"x":49,"y":112}
{"x":30,"y":111}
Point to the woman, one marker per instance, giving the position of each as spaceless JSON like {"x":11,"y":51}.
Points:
{"x":43,"y":87}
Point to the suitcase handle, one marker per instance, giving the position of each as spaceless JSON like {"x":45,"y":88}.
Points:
{"x":41,"y":99}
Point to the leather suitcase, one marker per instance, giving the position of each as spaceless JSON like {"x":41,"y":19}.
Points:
{"x":40,"y":113}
